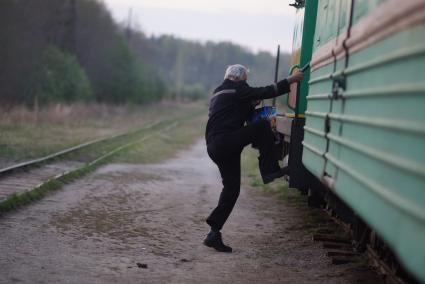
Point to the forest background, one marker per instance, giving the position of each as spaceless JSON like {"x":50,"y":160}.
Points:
{"x":72,"y":51}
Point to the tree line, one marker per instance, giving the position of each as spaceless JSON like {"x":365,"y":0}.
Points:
{"x":72,"y":50}
{"x":193,"y":65}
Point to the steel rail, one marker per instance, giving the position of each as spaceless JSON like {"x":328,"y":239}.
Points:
{"x":97,"y":161}
{"x":39,"y":161}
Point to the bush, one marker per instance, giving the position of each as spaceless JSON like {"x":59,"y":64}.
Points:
{"x":193,"y":92}
{"x":59,"y":78}
{"x":129,"y":80}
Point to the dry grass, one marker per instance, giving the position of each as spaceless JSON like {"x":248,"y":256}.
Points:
{"x":315,"y":220}
{"x":252,"y":176}
{"x":163,"y":142}
{"x":168,"y":143}
{"x":25,"y":134}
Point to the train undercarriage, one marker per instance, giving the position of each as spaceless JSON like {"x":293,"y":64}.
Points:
{"x":364,"y":240}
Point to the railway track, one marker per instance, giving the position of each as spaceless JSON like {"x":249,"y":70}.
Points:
{"x":24,"y":182}
{"x":347,"y":248}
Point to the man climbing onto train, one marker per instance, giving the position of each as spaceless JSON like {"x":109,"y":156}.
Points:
{"x":226,"y":136}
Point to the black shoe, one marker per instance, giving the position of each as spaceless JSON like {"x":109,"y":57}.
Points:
{"x":271,"y":177}
{"x":213,"y":240}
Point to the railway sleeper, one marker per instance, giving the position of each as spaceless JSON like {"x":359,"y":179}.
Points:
{"x":362,"y":241}
{"x":339,"y":246}
{"x":337,"y":260}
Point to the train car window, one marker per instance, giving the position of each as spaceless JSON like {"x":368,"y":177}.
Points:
{"x":364,"y":7}
{"x":330,"y":23}
{"x":320,"y":35}
{"x":344,"y":16}
{"x":330,"y":30}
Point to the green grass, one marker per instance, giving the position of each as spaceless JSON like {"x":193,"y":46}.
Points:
{"x":314,"y":220}
{"x":168,"y":143}
{"x":23,"y":137}
{"x":15,"y":201}
{"x":157,"y":143}
{"x":251,"y":176}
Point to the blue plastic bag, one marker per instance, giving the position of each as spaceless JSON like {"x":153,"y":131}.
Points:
{"x":265,"y":112}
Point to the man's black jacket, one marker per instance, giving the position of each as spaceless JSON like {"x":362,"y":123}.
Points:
{"x":232,"y":102}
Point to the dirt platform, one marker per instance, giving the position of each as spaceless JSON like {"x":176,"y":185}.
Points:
{"x":145,"y":224}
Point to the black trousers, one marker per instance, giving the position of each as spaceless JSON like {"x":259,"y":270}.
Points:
{"x":225,"y":150}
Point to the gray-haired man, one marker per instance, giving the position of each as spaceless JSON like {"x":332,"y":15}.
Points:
{"x":226,"y":136}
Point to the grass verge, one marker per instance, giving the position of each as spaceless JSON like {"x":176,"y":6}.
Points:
{"x":251,"y":177}
{"x":62,"y":126}
{"x":315,"y":220}
{"x":166,"y":144}
{"x":160,"y":143}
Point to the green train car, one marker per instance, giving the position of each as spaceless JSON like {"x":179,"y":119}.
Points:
{"x":356,"y":132}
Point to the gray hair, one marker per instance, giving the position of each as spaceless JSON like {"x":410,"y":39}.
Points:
{"x":236,"y":72}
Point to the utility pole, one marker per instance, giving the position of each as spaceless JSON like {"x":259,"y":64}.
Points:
{"x":276,"y":71}
{"x":179,"y":72}
{"x":73,"y":27}
{"x":69,"y":33}
{"x":128,"y":30}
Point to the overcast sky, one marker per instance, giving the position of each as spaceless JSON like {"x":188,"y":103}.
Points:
{"x":256,"y":24}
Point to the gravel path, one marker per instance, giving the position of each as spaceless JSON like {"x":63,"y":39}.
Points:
{"x":145,"y":224}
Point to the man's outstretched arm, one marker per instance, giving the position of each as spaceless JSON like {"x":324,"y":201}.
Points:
{"x":271,"y":91}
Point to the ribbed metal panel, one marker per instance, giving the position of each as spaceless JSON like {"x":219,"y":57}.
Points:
{"x":370,"y":135}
